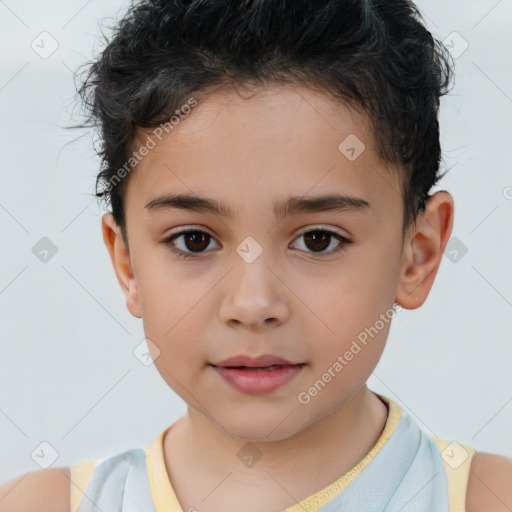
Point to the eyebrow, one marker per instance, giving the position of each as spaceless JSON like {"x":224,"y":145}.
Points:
{"x":291,"y":206}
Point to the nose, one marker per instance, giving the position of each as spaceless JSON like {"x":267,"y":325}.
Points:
{"x":254,"y":297}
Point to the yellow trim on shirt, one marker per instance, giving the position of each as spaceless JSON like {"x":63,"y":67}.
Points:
{"x":80,"y":476}
{"x":457,"y":461}
{"x":165,"y":499}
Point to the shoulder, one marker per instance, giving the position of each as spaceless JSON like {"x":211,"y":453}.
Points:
{"x":46,"y":489}
{"x":489,"y":483}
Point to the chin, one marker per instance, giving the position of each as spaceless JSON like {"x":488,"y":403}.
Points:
{"x":262,"y":428}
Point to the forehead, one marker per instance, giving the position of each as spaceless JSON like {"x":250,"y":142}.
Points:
{"x":249,"y":150}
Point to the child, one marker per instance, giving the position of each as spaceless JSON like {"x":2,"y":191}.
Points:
{"x":296,"y":144}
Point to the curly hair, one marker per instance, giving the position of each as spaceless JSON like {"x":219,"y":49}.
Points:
{"x":375,"y":56}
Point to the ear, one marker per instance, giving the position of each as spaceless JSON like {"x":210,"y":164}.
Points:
{"x":423,"y":250}
{"x":120,"y":257}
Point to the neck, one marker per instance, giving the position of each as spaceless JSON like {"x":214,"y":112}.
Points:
{"x":333,"y":445}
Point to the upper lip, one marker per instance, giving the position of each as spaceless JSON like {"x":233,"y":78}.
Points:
{"x":254,"y":362}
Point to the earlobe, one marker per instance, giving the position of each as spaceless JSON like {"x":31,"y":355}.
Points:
{"x":121,"y":261}
{"x":423,"y":250}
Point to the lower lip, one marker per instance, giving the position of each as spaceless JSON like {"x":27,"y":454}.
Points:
{"x":258,"y":382}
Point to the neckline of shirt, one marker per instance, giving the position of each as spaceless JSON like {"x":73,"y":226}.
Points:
{"x":165,"y":499}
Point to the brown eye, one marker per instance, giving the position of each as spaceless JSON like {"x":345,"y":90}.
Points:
{"x":318,"y":240}
{"x":192,"y":241}
{"x":196,"y":240}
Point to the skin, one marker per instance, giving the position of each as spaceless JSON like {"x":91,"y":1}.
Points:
{"x":290,"y":301}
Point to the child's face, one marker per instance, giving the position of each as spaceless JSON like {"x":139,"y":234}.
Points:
{"x":298,"y":299}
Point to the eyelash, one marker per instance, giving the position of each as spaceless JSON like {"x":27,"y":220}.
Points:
{"x":344,"y":242}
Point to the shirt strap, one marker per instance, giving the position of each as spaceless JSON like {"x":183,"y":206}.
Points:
{"x":457,"y":462}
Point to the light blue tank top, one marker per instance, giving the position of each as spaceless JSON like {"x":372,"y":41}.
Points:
{"x":408,"y":474}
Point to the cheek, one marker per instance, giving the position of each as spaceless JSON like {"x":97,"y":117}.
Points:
{"x":170,"y":310}
{"x":352,"y":312}
{"x":349,"y":298}
{"x":343,"y":362}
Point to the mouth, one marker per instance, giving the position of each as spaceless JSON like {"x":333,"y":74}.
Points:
{"x":259,"y":368}
{"x":258,"y":380}
{"x":260,"y":361}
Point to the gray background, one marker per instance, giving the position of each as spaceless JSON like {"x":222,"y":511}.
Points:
{"x":68,"y":373}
